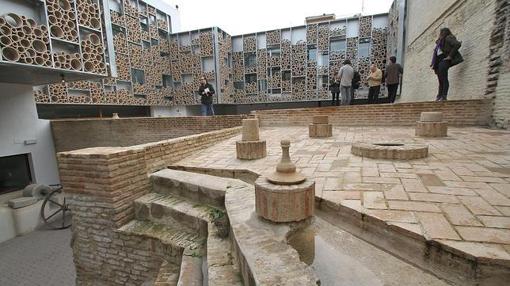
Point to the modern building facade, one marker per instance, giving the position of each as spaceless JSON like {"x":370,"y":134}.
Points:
{"x":154,"y":65}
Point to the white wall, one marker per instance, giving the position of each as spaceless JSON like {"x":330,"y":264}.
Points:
{"x":19,"y":122}
{"x":171,"y":111}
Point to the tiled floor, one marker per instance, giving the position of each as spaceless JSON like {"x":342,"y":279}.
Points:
{"x":459,"y":195}
{"x":42,"y":257}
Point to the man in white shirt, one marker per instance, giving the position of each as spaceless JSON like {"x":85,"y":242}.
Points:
{"x":345,"y":75}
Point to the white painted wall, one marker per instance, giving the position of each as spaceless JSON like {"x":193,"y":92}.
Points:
{"x":19,"y":122}
{"x":171,"y":111}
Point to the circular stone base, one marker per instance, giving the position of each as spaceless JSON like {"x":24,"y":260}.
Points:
{"x":250,"y":150}
{"x":431,"y":129}
{"x":284,"y":203}
{"x":390,"y":150}
{"x":320,"y":130}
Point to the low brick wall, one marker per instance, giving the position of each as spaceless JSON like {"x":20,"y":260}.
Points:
{"x":456,"y":113}
{"x":101,"y":185}
{"x":83,"y":133}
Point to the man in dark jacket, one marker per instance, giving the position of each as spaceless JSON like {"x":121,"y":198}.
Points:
{"x":334,"y":87}
{"x":206,"y":92}
{"x":446,"y":55}
{"x":392,"y":75}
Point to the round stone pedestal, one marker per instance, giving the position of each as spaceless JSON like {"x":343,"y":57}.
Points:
{"x":284,"y":203}
{"x":250,"y":150}
{"x":390,"y":150}
{"x":431,"y":129}
{"x":320,"y":130}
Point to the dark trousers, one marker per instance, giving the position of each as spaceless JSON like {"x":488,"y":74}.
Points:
{"x":336,"y":98}
{"x":392,"y":91}
{"x":373,"y":94}
{"x":442,"y":77}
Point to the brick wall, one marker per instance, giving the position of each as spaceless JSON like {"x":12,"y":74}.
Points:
{"x":472,"y":23}
{"x":457,"y":113}
{"x":101,"y":184}
{"x":83,"y":133}
{"x":498,"y":81}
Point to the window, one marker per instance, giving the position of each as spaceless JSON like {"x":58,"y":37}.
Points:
{"x":323,"y":60}
{"x":239,"y":85}
{"x":364,"y":50}
{"x":251,"y":78}
{"x":250,"y":60}
{"x":167,"y":81}
{"x":14,"y":173}
{"x":312,"y":55}
{"x":337,"y":46}
{"x":138,"y":76}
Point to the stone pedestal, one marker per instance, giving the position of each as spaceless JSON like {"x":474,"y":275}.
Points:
{"x":320,"y":127}
{"x":250,"y":150}
{"x":284,"y":203}
{"x":431,"y":124}
{"x":251,"y":147}
{"x":284,"y":195}
{"x":431,"y":129}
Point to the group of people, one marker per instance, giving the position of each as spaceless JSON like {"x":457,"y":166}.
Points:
{"x":347,"y":80}
{"x":446,"y":55}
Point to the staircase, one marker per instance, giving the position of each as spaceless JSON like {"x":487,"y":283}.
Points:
{"x":185,"y":213}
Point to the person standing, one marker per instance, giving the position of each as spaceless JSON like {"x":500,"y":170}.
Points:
{"x":334,"y":87}
{"x":206,"y":92}
{"x":446,"y":55}
{"x":345,"y":75}
{"x":374,"y":84}
{"x":393,"y":72}
{"x":356,"y":83}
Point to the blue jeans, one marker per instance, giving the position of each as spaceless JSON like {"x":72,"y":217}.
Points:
{"x":207,"y":109}
{"x":346,"y":92}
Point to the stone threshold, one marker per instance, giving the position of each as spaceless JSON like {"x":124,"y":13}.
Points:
{"x":401,"y":240}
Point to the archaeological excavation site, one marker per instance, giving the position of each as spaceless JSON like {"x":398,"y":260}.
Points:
{"x":135,"y":152}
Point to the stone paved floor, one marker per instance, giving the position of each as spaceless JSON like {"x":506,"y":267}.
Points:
{"x":42,"y":257}
{"x":459,"y":195}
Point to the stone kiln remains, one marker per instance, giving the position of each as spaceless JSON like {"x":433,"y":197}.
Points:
{"x":251,"y":147}
{"x":285,"y":195}
{"x":431,"y":124}
{"x":320,"y":127}
{"x":390,"y":150}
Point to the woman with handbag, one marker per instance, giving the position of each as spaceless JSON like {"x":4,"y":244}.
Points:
{"x":446,"y":55}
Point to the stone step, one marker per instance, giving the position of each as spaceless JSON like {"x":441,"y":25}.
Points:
{"x":178,"y":238}
{"x":168,"y":274}
{"x":199,"y":188}
{"x":172,"y":210}
{"x":191,"y":271}
{"x":220,"y":260}
{"x":195,"y":217}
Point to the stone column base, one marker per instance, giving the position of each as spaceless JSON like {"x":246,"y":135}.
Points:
{"x":284,"y":203}
{"x":431,"y":129}
{"x":250,"y":150}
{"x":320,"y":130}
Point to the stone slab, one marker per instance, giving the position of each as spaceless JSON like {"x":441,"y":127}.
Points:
{"x":22,"y":202}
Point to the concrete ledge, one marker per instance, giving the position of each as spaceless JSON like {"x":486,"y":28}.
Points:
{"x":438,"y":256}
